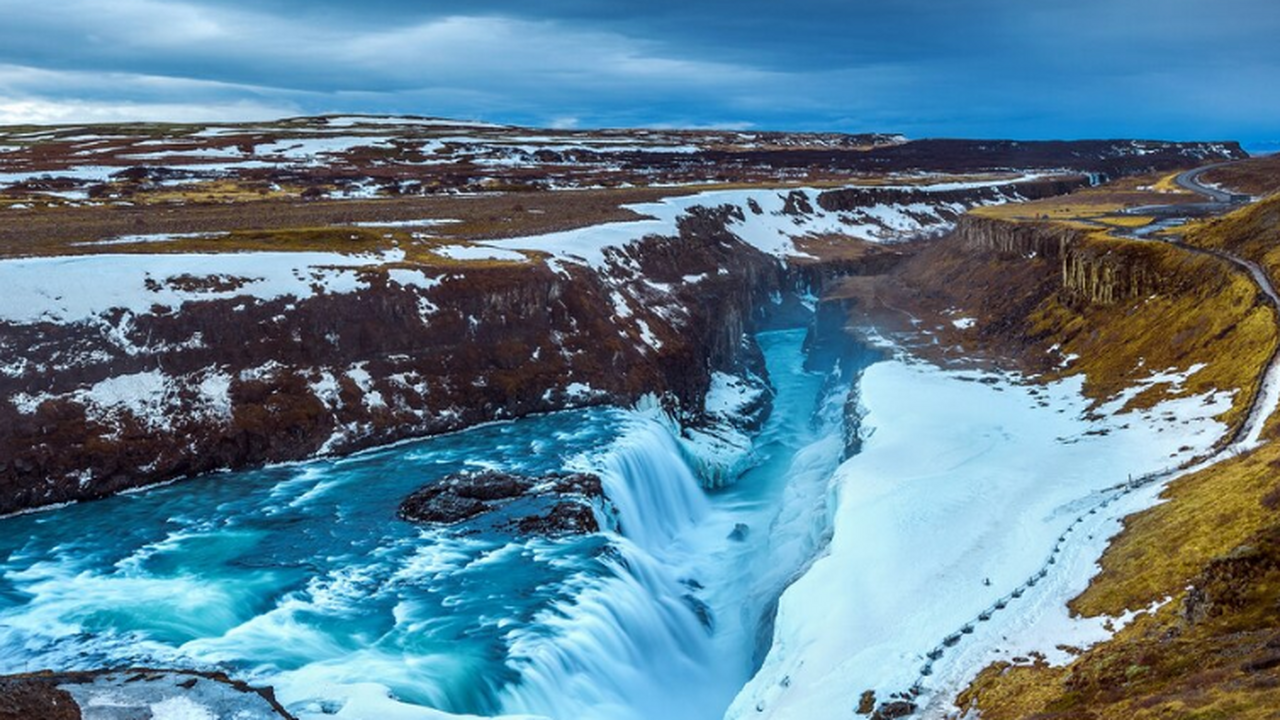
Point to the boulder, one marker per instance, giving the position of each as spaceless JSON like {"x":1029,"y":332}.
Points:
{"x":550,"y":505}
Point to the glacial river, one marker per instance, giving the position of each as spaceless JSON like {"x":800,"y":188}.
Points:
{"x":301,"y":577}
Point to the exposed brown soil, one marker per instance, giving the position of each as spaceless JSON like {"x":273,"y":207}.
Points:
{"x":35,"y":698}
{"x":58,"y":232}
{"x":1256,"y":176}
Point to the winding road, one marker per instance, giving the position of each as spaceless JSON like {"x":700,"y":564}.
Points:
{"x":1190,"y":180}
{"x":1266,"y":399}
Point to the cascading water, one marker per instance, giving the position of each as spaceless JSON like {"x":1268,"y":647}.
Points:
{"x":628,"y":647}
{"x":301,"y":578}
{"x":678,"y":629}
{"x":593,"y":656}
{"x":653,"y":488}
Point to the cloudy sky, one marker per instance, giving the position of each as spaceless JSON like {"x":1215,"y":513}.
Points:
{"x":1009,"y":68}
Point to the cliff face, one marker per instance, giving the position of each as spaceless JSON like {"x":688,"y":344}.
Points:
{"x":1105,"y":277}
{"x":132,"y":398}
{"x":1094,"y":269}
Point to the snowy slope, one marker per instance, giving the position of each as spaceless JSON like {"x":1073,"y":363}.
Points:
{"x":962,"y":493}
{"x":764,"y":223}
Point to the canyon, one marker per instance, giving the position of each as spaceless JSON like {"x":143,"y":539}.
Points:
{"x":743,"y":338}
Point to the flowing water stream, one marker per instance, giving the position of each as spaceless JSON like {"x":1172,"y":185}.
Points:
{"x":301,"y":577}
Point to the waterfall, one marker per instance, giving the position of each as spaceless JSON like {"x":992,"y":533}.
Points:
{"x":671,"y":628}
{"x":630,"y":647}
{"x":375,"y":618}
{"x":648,"y":481}
{"x":635,"y":643}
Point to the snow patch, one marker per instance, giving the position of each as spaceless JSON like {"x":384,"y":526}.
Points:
{"x":216,"y":391}
{"x":478,"y":252}
{"x":771,"y":230}
{"x":180,"y":708}
{"x":142,"y":394}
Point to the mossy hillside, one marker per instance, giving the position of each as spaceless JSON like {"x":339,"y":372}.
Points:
{"x":1194,"y":310}
{"x":1211,"y":652}
{"x":1252,"y":232}
{"x":1204,"y":515}
{"x":1210,"y":551}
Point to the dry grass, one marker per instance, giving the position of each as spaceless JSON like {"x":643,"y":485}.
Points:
{"x":1126,"y":221}
{"x":72,"y":230}
{"x":1167,"y":184}
{"x":1217,"y":529}
{"x":1219,"y":664}
{"x":1205,"y":515}
{"x":1256,"y":176}
{"x":1210,"y":308}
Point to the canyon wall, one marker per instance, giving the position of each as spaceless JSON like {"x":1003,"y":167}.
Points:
{"x":134,"y":398}
{"x":1094,"y":269}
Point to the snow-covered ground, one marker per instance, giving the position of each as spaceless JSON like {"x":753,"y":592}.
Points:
{"x":167,"y":696}
{"x":76,"y":289}
{"x":764,"y":224}
{"x":977,"y":508}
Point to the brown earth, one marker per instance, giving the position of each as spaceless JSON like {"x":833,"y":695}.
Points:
{"x":37,"y":696}
{"x":1257,"y":176}
{"x":74,"y":230}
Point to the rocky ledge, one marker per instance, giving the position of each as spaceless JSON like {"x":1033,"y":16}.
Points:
{"x":551,"y":505}
{"x":134,"y":694}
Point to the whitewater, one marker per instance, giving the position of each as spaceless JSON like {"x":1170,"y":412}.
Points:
{"x":301,"y":577}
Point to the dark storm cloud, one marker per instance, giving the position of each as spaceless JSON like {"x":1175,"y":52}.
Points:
{"x":1175,"y":68}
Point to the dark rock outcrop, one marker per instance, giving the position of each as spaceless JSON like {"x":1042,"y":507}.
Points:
{"x":894,"y":709}
{"x":866,"y":702}
{"x":1092,"y":270}
{"x":132,"y":692}
{"x":27,"y":698}
{"x":849,"y":199}
{"x":557,"y":504}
